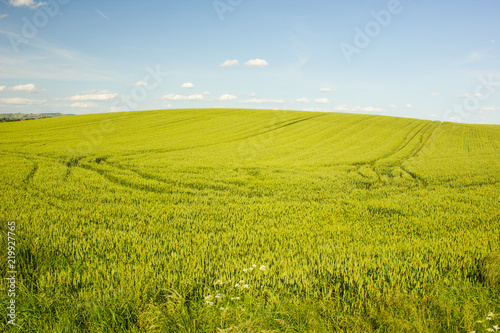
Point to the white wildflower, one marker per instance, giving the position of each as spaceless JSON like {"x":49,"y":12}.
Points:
{"x":242,"y":281}
{"x":245,"y":286}
{"x":496,"y":327}
{"x":237,"y":285}
{"x":254,"y":266}
{"x":245,"y":270}
{"x":490,"y":330}
{"x":262,"y":268}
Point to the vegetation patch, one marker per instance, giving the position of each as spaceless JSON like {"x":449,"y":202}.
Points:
{"x":251,"y":221}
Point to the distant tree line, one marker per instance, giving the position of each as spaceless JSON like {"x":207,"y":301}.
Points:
{"x":9,"y":117}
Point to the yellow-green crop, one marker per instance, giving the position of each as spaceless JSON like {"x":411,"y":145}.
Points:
{"x":231,"y":220}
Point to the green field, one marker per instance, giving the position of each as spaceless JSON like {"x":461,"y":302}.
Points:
{"x":228,"y":220}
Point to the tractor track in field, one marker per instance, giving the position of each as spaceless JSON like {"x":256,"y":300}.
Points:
{"x":162,"y":182}
{"x":290,"y":123}
{"x":405,"y":143}
{"x":143,"y":175}
{"x":419,"y":148}
{"x":117,"y":180}
{"x":423,"y":129}
{"x":29,"y":177}
{"x":414,"y":153}
{"x":162,"y":185}
{"x":286,"y":124}
{"x":415,"y":176}
{"x":430,"y":137}
{"x":32,"y":173}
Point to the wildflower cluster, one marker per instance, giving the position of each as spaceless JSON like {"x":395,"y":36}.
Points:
{"x":485,"y":325}
{"x":229,"y":294}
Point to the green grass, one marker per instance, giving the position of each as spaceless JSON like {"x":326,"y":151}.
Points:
{"x":128,"y":222}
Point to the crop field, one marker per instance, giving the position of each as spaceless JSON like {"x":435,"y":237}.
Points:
{"x":235,"y":220}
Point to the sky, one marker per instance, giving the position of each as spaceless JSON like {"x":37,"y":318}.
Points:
{"x":437,"y":60}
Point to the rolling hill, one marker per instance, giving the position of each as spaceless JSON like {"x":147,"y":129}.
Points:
{"x":236,"y":220}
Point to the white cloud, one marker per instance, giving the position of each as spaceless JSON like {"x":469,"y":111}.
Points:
{"x":327,"y":90}
{"x":227,"y":97}
{"x":256,"y":63}
{"x":490,"y":108}
{"x":393,"y":106}
{"x":23,"y":87}
{"x":252,"y":94}
{"x":302,"y":100}
{"x":21,"y":101}
{"x":230,"y":63}
{"x":314,"y":109}
{"x":178,"y":97}
{"x":469,"y":95}
{"x":433,"y":115}
{"x":187,"y":85}
{"x":3,"y":16}
{"x":435,"y":94}
{"x":103,"y":95}
{"x":140,"y":83}
{"x":27,"y":3}
{"x":264,"y":101}
{"x":322,"y":100}
{"x":493,"y":41}
{"x":83,"y":105}
{"x":409,"y":105}
{"x":30,"y":87}
{"x":371,"y":109}
{"x":350,"y":108}
{"x":167,"y":105}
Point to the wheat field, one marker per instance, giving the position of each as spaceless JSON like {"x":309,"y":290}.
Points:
{"x":235,"y":220}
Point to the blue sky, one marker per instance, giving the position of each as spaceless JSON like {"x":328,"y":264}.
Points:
{"x":436,"y":60}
